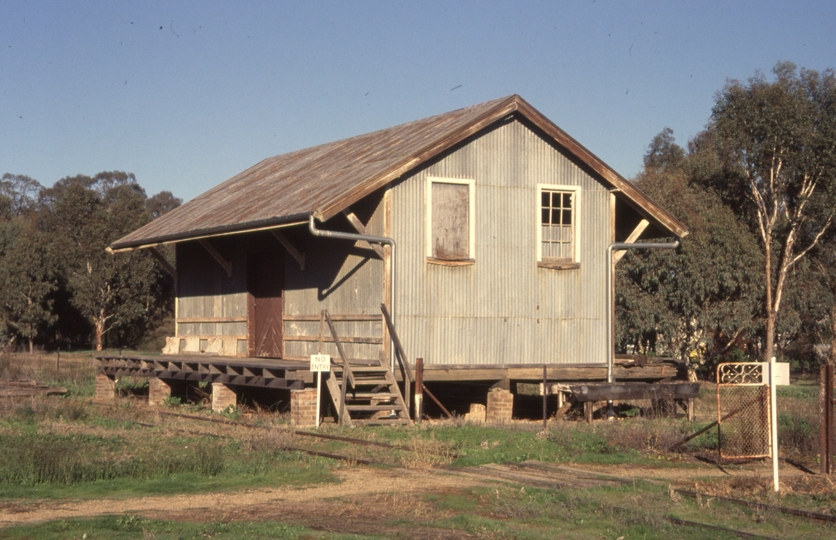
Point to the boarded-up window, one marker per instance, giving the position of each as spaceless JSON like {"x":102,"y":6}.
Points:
{"x":557,"y":225}
{"x":450,"y":220}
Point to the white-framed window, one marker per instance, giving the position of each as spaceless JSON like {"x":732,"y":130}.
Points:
{"x":558,"y":238}
{"x":450,"y":220}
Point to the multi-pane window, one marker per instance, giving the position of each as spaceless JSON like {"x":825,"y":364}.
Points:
{"x":557,"y":225}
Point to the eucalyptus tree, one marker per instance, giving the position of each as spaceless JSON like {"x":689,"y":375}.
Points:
{"x":777,"y":142}
{"x":83,"y":216}
{"x":703,"y":295}
{"x":27,"y":266}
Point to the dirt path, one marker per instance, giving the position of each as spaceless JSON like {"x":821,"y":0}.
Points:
{"x":358,"y":484}
{"x":363,"y":503}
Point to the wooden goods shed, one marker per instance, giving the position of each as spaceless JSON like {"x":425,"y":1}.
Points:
{"x":482,"y":231}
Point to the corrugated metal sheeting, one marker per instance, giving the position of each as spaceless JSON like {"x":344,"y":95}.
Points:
{"x":503,"y":308}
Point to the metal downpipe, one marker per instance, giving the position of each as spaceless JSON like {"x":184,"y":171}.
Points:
{"x":392,"y":274}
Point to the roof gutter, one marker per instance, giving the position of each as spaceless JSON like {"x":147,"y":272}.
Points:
{"x":392,"y":273}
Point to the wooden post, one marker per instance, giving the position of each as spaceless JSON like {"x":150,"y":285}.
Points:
{"x":58,"y":360}
{"x":587,"y":411}
{"x":419,"y":389}
{"x":321,"y":329}
{"x":829,"y":388}
{"x":826,"y":433}
{"x":545,"y":397}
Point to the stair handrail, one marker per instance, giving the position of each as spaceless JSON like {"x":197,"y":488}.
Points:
{"x":401,"y":356}
{"x":340,"y":350}
{"x":348,"y":375}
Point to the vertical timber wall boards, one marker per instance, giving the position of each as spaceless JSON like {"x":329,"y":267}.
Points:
{"x":211,"y":303}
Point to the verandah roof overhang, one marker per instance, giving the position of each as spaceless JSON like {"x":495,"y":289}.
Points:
{"x":224,"y":230}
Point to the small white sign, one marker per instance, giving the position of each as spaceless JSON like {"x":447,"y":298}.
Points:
{"x":321,"y":362}
{"x":782,"y":373}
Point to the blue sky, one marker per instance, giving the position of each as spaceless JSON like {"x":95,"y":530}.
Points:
{"x":187,"y":94}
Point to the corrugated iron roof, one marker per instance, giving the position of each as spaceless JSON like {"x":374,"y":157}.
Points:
{"x":324,"y":180}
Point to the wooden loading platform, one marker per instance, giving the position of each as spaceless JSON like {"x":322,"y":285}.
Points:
{"x":259,"y":372}
{"x":365,"y":392}
{"x":294,"y":374}
{"x":627,"y":368}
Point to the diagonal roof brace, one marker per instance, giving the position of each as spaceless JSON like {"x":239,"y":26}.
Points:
{"x":225,"y":264}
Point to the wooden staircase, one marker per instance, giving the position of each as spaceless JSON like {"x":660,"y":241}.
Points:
{"x":364,"y":392}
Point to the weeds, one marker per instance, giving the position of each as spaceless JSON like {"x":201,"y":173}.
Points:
{"x":798,"y":435}
{"x":30,"y":459}
{"x":172,"y":401}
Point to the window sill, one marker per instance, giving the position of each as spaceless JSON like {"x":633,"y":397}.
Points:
{"x":558,"y":265}
{"x":451,"y":262}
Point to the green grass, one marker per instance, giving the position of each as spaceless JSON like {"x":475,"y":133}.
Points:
{"x":798,"y":392}
{"x":638,"y":511}
{"x":47,"y":465}
{"x":615,"y":443}
{"x":634,"y":511}
{"x":130,"y":527}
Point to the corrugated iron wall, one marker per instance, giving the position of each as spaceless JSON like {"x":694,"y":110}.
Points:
{"x":503,"y":309}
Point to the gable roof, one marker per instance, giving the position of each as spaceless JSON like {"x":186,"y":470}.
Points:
{"x":324,"y":180}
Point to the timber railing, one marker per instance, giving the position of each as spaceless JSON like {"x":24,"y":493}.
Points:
{"x":406,"y":371}
{"x":348,"y":376}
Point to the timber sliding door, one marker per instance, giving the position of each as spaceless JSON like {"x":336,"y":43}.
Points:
{"x":265,"y":304}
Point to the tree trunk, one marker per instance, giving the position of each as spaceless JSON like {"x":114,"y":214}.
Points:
{"x":770,"y":312}
{"x":831,"y":358}
{"x":98,"y":323}
{"x":31,"y":346}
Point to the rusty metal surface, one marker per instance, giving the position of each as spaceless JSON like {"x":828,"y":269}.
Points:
{"x":325,"y":179}
{"x":743,"y":410}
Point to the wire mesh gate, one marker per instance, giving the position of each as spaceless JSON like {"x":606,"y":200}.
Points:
{"x":743,"y":419}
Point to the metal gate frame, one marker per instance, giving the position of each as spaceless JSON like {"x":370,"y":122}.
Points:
{"x":744,"y":388}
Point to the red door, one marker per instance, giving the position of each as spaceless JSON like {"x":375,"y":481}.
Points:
{"x":265,"y":303}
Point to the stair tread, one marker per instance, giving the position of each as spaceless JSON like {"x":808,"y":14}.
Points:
{"x":369,"y":369}
{"x":390,"y":407}
{"x":382,"y":422}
